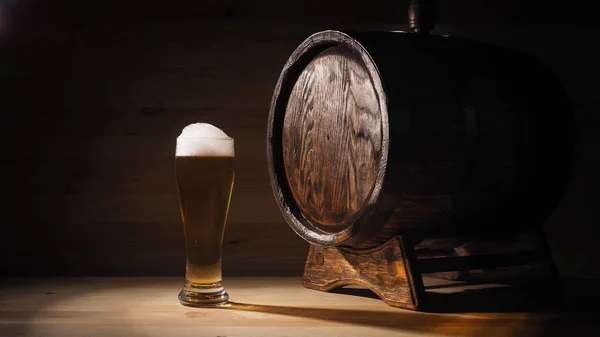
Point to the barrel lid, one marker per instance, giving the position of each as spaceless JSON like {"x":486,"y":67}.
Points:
{"x":332,"y":138}
{"x":330,"y":155}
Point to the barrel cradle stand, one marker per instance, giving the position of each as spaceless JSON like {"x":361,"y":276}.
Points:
{"x":393,"y":272}
{"x":370,"y":152}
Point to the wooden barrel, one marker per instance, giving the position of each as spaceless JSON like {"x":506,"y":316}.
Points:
{"x":376,"y":134}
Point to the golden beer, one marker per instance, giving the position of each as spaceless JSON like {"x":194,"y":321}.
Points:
{"x":204,"y":174}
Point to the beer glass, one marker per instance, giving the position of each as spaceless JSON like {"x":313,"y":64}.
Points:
{"x":204,"y":174}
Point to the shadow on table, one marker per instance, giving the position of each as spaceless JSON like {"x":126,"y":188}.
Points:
{"x":482,"y":312}
{"x":501,"y":311}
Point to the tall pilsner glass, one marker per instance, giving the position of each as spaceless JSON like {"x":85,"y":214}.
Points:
{"x":204,"y":174}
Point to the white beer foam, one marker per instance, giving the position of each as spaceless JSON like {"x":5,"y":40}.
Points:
{"x":204,"y":140}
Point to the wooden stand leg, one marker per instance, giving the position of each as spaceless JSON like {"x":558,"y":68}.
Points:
{"x":387,"y":270}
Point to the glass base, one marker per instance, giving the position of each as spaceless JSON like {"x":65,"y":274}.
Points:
{"x":193,"y":298}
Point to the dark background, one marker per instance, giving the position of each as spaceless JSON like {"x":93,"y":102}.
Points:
{"x":94,"y":93}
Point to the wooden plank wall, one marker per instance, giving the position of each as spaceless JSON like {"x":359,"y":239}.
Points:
{"x":90,"y":116}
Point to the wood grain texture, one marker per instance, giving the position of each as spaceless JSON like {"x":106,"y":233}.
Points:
{"x":387,"y":270}
{"x":332,"y":138}
{"x":148,"y":307}
{"x":90,"y":113}
{"x":297,"y":61}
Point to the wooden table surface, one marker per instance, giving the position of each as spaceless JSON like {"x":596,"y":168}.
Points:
{"x":267,"y":307}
